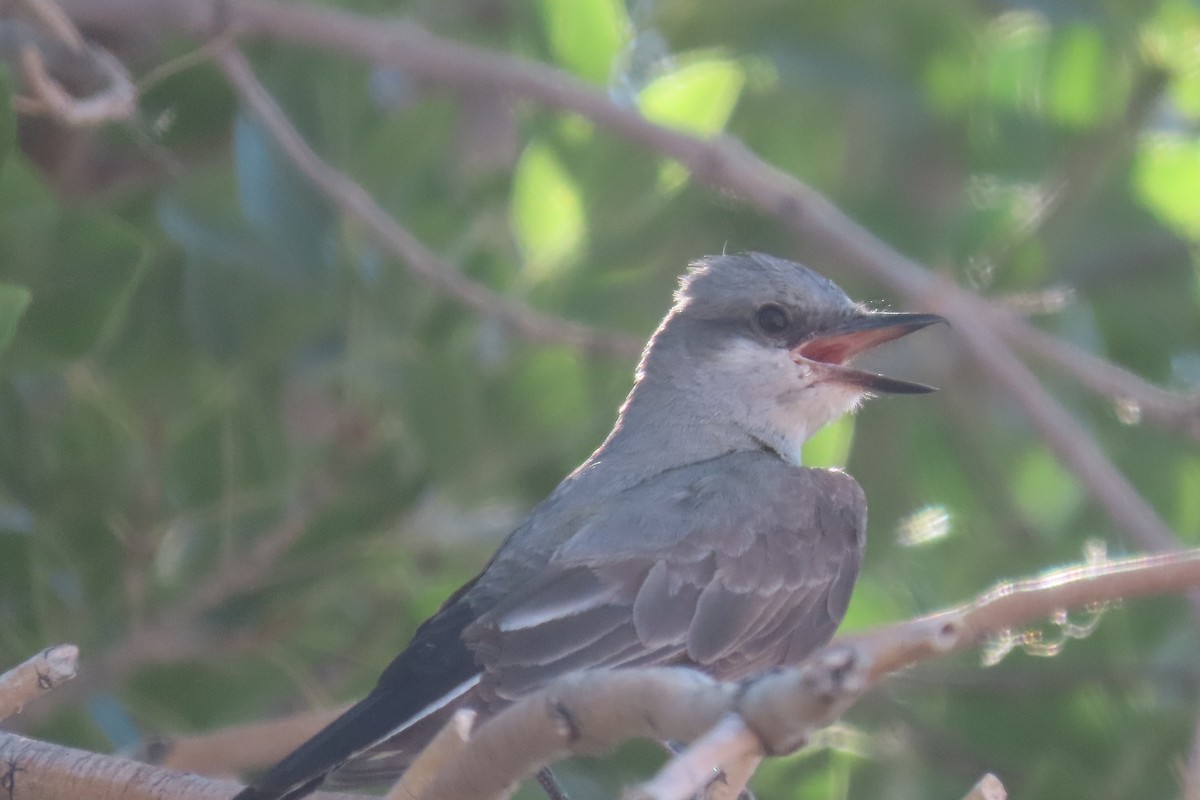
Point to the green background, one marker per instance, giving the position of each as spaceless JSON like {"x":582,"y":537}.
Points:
{"x":244,"y":451}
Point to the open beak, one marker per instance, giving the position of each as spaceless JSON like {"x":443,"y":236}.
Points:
{"x":835,"y":347}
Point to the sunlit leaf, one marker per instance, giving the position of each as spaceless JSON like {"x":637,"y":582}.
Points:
{"x":1080,"y":90}
{"x":586,"y":35}
{"x":697,"y":97}
{"x":1166,"y":173}
{"x":830,"y":446}
{"x":547,"y":212}
{"x":1171,"y":39}
{"x":13,"y":301}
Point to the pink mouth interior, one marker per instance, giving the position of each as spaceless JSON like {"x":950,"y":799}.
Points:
{"x":830,"y":350}
{"x":840,"y":348}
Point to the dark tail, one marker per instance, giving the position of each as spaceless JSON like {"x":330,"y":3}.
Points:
{"x":434,"y":674}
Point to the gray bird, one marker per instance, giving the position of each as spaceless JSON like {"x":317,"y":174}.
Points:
{"x":692,"y":536}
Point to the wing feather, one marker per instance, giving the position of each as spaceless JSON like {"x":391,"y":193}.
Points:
{"x":731,"y":566}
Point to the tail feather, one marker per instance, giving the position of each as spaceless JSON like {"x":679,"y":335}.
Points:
{"x":436,"y":672}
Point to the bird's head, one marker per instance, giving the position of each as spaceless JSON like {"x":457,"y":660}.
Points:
{"x":765,"y":344}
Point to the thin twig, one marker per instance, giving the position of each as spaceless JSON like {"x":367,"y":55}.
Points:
{"x":354,"y":201}
{"x":39,"y":674}
{"x":116,"y":101}
{"x":722,"y":162}
{"x":728,"y":742}
{"x":54,"y":20}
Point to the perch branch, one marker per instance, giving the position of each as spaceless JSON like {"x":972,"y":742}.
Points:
{"x":238,"y":749}
{"x":586,"y":713}
{"x":591,"y":712}
{"x":449,"y":743}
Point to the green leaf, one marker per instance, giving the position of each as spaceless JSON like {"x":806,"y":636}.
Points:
{"x":83,"y":297}
{"x":13,"y":301}
{"x":586,"y":35}
{"x":1081,"y":91}
{"x":871,"y":606}
{"x":1048,"y":494}
{"x":1015,"y":50}
{"x":830,"y":446}
{"x":1187,"y":514}
{"x":547,"y":212}
{"x":698,"y":97}
{"x":1171,"y":39}
{"x":1166,"y":172}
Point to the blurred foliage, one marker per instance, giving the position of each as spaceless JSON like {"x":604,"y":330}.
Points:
{"x":196,"y":351}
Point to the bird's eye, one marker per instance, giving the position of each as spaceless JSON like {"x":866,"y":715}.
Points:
{"x":771,"y":319}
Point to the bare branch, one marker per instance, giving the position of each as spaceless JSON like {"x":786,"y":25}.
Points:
{"x":721,"y":162}
{"x":29,"y":680}
{"x":238,"y":749}
{"x":44,"y":771}
{"x":1074,"y":446}
{"x":354,"y":201}
{"x":116,"y":101}
{"x":449,"y":743}
{"x":1179,"y":410}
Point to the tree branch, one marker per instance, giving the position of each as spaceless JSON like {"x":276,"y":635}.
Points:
{"x":591,"y":712}
{"x":238,"y":749}
{"x":585,"y":713}
{"x":35,"y":770}
{"x":29,"y":680}
{"x":720,"y":162}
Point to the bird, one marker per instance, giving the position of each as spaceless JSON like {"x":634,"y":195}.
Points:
{"x":692,"y":536}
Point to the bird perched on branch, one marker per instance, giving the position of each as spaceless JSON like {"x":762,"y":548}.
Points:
{"x":692,"y":536}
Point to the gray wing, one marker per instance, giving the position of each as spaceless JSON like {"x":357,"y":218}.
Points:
{"x":734,"y":565}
